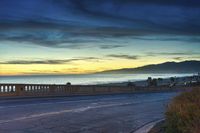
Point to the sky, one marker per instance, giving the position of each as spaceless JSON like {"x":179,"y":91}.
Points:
{"x":86,"y":36}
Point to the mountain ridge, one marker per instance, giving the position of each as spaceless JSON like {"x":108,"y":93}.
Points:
{"x":188,"y":66}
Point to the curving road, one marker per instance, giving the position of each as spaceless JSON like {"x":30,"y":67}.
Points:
{"x":86,"y":114}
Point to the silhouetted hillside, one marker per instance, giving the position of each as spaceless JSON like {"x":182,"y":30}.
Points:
{"x":167,"y":67}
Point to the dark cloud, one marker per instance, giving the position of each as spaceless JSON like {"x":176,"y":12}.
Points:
{"x":36,"y":62}
{"x":172,"y":53}
{"x":72,"y":23}
{"x":178,"y":58}
{"x":64,"y":61}
{"x":192,"y":3}
{"x":195,"y":57}
{"x":123,"y":56}
{"x":168,"y":17}
{"x":111,"y":46}
{"x":193,"y":39}
{"x":58,"y":40}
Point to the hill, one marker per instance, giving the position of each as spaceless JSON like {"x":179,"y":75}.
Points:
{"x":167,"y":67}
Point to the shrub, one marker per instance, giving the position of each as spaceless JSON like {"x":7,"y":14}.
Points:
{"x":183,"y":113}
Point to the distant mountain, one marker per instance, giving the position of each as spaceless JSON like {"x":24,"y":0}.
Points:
{"x":167,"y":67}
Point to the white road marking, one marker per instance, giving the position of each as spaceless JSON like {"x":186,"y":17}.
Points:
{"x":64,"y":111}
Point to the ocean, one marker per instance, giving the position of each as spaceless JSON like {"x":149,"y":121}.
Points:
{"x":83,"y":79}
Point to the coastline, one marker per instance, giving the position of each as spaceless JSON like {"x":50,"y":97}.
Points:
{"x":91,"y":79}
{"x":164,"y":81}
{"x":144,"y":86}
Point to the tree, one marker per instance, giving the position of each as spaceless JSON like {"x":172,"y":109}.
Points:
{"x":130,"y":84}
{"x":149,"y":81}
{"x":154,"y":82}
{"x":160,"y":80}
{"x":172,"y":79}
{"x":68,"y":83}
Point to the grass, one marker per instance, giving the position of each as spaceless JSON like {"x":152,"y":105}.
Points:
{"x":183,"y":113}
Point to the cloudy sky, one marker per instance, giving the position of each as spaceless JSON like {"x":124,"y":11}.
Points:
{"x":85,"y":36}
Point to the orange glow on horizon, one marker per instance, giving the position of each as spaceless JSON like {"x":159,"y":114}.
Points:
{"x":80,"y":67}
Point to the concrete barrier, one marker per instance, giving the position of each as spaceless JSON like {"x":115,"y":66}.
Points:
{"x":38,"y":90}
{"x":42,"y":90}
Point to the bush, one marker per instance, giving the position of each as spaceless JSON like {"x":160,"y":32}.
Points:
{"x":183,"y":114}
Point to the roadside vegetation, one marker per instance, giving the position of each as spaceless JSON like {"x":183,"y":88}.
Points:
{"x":183,"y":113}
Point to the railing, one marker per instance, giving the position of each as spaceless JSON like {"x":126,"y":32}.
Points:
{"x":40,"y":90}
{"x":7,"y":88}
{"x":35,"y":90}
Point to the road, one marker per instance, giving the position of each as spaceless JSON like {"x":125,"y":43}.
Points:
{"x":122,"y":113}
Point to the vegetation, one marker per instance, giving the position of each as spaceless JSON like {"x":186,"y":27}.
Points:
{"x":152,"y":82}
{"x":68,"y":83}
{"x":131,"y":84}
{"x":183,"y":114}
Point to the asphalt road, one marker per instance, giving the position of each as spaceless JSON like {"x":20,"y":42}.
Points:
{"x":123,"y":113}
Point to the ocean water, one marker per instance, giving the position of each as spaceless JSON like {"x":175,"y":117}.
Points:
{"x":83,"y":79}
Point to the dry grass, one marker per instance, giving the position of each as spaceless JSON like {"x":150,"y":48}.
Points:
{"x":183,"y":114}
